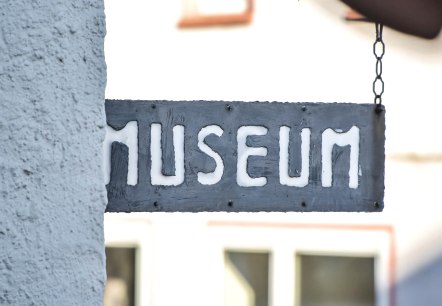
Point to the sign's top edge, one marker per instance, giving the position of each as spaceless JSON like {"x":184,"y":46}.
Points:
{"x":224,"y":101}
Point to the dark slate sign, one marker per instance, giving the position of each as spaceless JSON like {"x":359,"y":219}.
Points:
{"x":194,"y":156}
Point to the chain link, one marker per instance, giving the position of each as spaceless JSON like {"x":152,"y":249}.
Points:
{"x":379,"y":51}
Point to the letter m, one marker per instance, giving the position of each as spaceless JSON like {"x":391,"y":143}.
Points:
{"x":330,"y":138}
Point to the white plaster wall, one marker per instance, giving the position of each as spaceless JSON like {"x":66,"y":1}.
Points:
{"x":52,"y":80}
{"x":293,"y":51}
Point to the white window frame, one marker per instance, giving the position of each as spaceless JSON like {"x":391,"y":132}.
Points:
{"x":284,"y":242}
{"x":132,"y":231}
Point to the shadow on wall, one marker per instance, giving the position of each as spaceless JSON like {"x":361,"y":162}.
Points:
{"x":422,"y":287}
{"x":408,"y":43}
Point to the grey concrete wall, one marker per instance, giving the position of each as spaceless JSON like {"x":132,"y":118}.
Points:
{"x":52,"y":196}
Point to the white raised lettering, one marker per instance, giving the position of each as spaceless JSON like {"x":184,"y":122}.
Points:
{"x":242,"y":177}
{"x":156,"y":152}
{"x":331,"y":138}
{"x":284,"y":178}
{"x":128,"y":136}
{"x":214,"y":177}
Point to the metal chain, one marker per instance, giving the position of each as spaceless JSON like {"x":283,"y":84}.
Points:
{"x":379,"y":51}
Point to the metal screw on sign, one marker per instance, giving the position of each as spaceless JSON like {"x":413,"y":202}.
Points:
{"x":379,"y":51}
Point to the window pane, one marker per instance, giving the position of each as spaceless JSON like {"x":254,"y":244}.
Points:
{"x":120,"y":269}
{"x":336,"y":281}
{"x":246,"y":279}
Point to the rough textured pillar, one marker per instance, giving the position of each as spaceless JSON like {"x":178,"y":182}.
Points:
{"x":52,"y":196}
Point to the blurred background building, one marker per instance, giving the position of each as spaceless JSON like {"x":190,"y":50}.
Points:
{"x":280,"y":50}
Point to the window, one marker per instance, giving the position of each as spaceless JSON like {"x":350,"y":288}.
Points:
{"x":120,"y":269}
{"x":203,"y":13}
{"x":128,"y":260}
{"x":335,"y":280}
{"x":246,"y":279}
{"x":309,"y":265}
